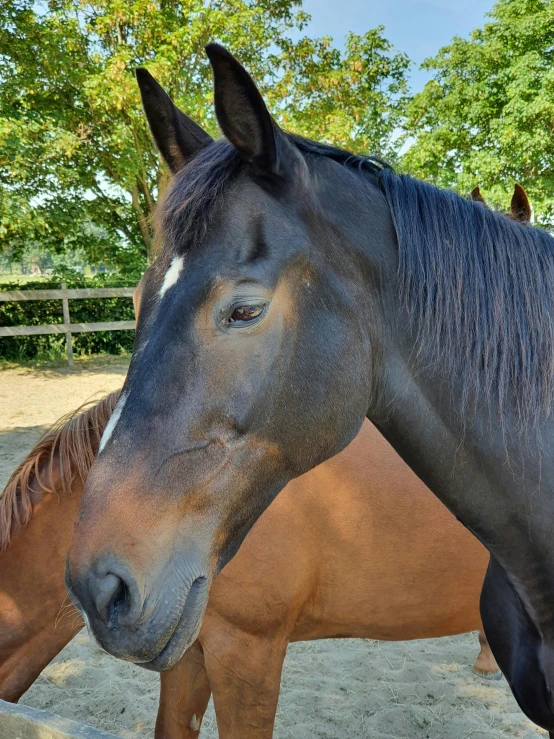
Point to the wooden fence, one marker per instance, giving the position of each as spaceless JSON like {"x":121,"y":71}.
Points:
{"x":67,"y":328}
{"x":23,"y":722}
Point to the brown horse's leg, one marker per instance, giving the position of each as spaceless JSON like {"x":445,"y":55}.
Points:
{"x":245,"y":675}
{"x":485,"y":664}
{"x":184,"y":697}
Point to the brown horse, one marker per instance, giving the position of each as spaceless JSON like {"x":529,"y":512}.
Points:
{"x":418,"y":574}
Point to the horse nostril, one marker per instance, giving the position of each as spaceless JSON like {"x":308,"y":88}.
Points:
{"x":108,"y":595}
{"x":116,"y":598}
{"x":119,"y":604}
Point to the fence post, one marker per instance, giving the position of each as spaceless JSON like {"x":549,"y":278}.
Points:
{"x":65,"y":304}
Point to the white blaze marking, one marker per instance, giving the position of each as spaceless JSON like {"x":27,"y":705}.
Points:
{"x":112,"y":423}
{"x":172,"y":274}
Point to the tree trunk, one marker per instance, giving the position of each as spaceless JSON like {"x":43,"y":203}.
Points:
{"x":143,"y":221}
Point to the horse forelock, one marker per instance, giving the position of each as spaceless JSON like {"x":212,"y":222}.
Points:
{"x":184,"y":214}
{"x":72,"y":443}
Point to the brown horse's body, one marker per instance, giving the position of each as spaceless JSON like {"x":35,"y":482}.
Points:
{"x":357,"y":547}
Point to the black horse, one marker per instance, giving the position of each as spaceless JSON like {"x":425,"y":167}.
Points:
{"x":299,"y":289}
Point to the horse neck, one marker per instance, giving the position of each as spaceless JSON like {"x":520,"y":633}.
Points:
{"x":36,"y":618}
{"x":488,"y":479}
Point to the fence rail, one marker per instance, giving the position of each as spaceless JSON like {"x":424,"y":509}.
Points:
{"x":24,"y":722}
{"x":66,"y":327}
{"x":73,"y":293}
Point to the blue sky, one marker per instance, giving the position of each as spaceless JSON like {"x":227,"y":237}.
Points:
{"x":418,"y":27}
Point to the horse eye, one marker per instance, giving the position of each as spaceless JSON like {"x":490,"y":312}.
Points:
{"x":245,"y":313}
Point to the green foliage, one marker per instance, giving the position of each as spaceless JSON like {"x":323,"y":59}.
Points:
{"x":77,"y":165}
{"x":486,"y":116}
{"x":352,"y":99}
{"x":41,"y":312}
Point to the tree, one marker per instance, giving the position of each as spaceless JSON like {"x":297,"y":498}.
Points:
{"x":74,"y":147}
{"x":354,"y":99}
{"x":43,"y":180}
{"x":487,"y":116}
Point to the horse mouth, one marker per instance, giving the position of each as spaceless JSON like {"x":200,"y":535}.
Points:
{"x":186,"y":630}
{"x":182,"y":636}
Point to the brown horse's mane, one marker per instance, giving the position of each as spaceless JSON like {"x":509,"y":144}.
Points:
{"x":74,"y":440}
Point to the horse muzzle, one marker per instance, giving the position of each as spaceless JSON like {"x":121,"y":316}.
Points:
{"x":150,"y":625}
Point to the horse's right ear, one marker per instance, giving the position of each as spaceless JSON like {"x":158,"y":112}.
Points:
{"x":177,"y":136}
{"x":244,"y":118}
{"x":520,"y":206}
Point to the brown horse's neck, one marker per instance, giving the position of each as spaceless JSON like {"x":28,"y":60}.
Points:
{"x":64,"y":454}
{"x":36,"y":617}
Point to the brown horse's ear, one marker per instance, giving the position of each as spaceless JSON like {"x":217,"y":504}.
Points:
{"x":242,"y":114}
{"x":520,"y":206}
{"x":477,"y":197}
{"x":177,"y":136}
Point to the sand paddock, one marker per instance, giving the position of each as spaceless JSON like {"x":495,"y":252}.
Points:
{"x":333,"y":689}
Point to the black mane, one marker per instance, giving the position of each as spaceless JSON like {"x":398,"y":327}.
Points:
{"x":477,"y":286}
{"x":478,"y":289}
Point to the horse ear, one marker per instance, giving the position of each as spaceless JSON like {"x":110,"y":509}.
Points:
{"x":476,"y":195}
{"x":520,"y":206}
{"x":241,"y":112}
{"x":177,"y":136}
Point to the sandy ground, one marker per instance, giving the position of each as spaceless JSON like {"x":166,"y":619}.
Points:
{"x":341,"y":689}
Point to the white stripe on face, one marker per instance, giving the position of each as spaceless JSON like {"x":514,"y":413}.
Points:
{"x":172,"y":274}
{"x":112,"y":423}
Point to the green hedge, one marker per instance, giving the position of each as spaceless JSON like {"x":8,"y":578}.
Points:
{"x":40,"y":312}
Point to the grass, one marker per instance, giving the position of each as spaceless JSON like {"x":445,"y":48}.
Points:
{"x":91,"y":361}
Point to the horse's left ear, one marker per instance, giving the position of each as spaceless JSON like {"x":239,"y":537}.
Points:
{"x":243,"y":116}
{"x":520,"y":206}
{"x":476,"y":196}
{"x":177,"y":136}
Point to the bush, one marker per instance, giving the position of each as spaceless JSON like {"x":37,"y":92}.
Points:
{"x":41,"y":312}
